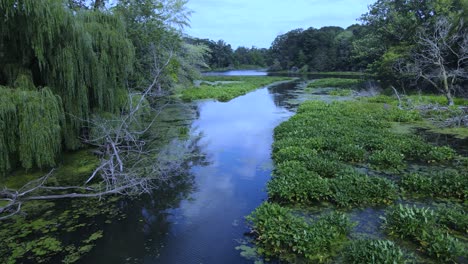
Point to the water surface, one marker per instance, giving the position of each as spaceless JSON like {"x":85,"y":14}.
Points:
{"x":207,"y":222}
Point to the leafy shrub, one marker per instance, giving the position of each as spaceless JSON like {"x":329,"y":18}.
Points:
{"x":351,"y":152}
{"x":324,"y":167}
{"x":373,"y":251}
{"x":402,"y":115}
{"x":439,"y":183}
{"x":281,"y":234}
{"x":453,"y":217}
{"x":352,"y":188}
{"x":420,"y":225}
{"x":298,"y":188}
{"x":299,"y":153}
{"x":387,"y":159}
{"x":439,"y":154}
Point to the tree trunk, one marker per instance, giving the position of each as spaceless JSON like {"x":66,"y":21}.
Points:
{"x":98,"y":4}
{"x":447,"y":89}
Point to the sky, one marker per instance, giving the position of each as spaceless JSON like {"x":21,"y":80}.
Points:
{"x":257,"y":22}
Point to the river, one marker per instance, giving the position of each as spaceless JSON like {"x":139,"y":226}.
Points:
{"x":207,"y":224}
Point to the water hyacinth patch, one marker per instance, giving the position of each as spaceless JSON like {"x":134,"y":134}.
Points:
{"x":346,"y":155}
{"x":423,"y":226}
{"x":373,"y":251}
{"x":286,"y":236}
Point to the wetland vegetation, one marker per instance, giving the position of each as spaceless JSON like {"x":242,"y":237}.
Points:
{"x":225,"y":88}
{"x":103,"y":101}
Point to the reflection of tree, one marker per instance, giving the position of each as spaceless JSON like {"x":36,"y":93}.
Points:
{"x":147,"y":219}
{"x":283,"y":93}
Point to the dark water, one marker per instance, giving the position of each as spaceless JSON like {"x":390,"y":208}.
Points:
{"x":202,"y":220}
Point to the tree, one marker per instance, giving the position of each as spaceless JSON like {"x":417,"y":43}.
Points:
{"x":441,"y":56}
{"x":82,"y":57}
{"x":86,"y":59}
{"x":391,"y":26}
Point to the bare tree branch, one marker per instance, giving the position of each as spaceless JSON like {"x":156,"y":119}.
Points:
{"x":124,"y":156}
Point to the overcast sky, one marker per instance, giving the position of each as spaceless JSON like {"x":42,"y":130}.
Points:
{"x":257,"y":22}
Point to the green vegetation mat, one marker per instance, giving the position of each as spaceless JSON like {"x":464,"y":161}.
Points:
{"x":225,"y":88}
{"x":334,"y":82}
{"x":347,"y":155}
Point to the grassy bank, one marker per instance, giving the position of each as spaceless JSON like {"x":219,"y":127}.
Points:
{"x":347,"y":155}
{"x":225,"y":88}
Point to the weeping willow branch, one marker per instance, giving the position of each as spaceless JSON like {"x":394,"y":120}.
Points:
{"x":123,"y":154}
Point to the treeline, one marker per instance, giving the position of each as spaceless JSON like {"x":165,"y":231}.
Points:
{"x":405,"y":44}
{"x":222,"y":56}
{"x":64,"y":62}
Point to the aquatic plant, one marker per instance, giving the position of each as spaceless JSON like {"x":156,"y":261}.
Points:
{"x":421,"y":226}
{"x":373,"y":251}
{"x":282,"y":234}
{"x":225,"y":88}
{"x":334,"y":82}
{"x":437,"y":183}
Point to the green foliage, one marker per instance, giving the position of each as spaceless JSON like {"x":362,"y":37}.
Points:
{"x":334,"y":82}
{"x":316,"y":50}
{"x":298,"y":187}
{"x":83,"y":56}
{"x":227,"y":88}
{"x":440,"y":154}
{"x":342,"y":92}
{"x":420,"y":225}
{"x":315,"y":148}
{"x":38,"y":236}
{"x":355,"y":189}
{"x":31,"y":127}
{"x":373,"y":251}
{"x":283,"y":235}
{"x":387,"y":159}
{"x":449,"y":183}
{"x":453,"y":216}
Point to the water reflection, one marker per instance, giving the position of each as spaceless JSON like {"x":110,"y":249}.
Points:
{"x":237,"y":137}
{"x":197,"y":217}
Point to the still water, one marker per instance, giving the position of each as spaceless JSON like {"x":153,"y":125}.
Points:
{"x":207,"y":222}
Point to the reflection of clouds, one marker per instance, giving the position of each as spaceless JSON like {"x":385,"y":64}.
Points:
{"x":214,"y":189}
{"x":236,"y":137}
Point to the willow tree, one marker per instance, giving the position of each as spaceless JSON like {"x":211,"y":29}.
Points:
{"x":82,"y":56}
